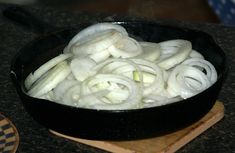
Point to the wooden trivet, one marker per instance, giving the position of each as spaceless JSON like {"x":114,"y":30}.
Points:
{"x":164,"y":144}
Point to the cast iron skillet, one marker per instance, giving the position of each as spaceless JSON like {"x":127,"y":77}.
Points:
{"x":121,"y":124}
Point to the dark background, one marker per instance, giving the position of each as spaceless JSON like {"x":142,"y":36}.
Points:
{"x":184,"y":10}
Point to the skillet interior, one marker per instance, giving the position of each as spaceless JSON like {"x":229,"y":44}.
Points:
{"x":124,"y":124}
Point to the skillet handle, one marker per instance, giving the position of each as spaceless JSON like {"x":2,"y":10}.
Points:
{"x":26,"y":19}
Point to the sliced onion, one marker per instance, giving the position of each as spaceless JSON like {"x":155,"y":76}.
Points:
{"x":138,"y":65}
{"x":203,"y":65}
{"x":94,"y":98}
{"x":166,"y":75}
{"x":100,"y":56}
{"x":92,"y":30}
{"x":71,"y":77}
{"x":72,"y":95}
{"x":186,"y":81}
{"x":50,"y":80}
{"x":125,"y":48}
{"x":111,"y":71}
{"x":196,"y":54}
{"x":158,"y":84}
{"x":151,"y":51}
{"x":110,"y":65}
{"x":157,"y":100}
{"x":131,"y":102}
{"x":148,"y":78}
{"x":82,"y":68}
{"x":97,"y":43}
{"x":62,"y":87}
{"x":177,"y":51}
{"x":49,"y":96}
{"x":32,"y":77}
{"x":119,"y":66}
{"x":117,"y":93}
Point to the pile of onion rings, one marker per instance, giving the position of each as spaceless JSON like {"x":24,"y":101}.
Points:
{"x":102,"y":67}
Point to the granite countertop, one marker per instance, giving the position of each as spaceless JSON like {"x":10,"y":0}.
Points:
{"x":35,"y":138}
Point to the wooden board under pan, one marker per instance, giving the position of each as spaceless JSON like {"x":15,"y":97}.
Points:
{"x":164,"y":144}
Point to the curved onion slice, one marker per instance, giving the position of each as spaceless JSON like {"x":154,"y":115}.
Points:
{"x":62,"y":87}
{"x":146,"y":67}
{"x":196,"y":54}
{"x":158,"y":84}
{"x":111,"y":65}
{"x":92,"y":30}
{"x":50,"y":80}
{"x":117,"y":95}
{"x":186,"y":81}
{"x":82,"y":68}
{"x":202,"y":64}
{"x":130,"y":103}
{"x":118,"y":66}
{"x":49,"y":96}
{"x":138,"y":66}
{"x":32,"y":77}
{"x":96,"y":43}
{"x":177,"y":50}
{"x":122,"y":67}
{"x":100,"y":56}
{"x":72,"y":95}
{"x":151,"y":51}
{"x":125,"y":48}
{"x":156,"y":100}
{"x":71,"y":77}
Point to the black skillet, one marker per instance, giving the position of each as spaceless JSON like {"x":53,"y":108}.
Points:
{"x":105,"y":124}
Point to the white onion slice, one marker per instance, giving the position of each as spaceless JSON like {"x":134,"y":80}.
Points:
{"x":178,"y":51}
{"x":119,"y":66}
{"x":158,"y":84}
{"x":71,"y":77}
{"x":117,"y":93}
{"x":202,"y":64}
{"x":157,"y":100}
{"x":49,"y":96}
{"x":125,"y":48}
{"x":137,"y":65}
{"x":82,"y":68}
{"x":96,"y":43}
{"x":151,"y":51}
{"x":179,"y":83}
{"x":50,"y":81}
{"x":94,"y":29}
{"x":62,"y":87}
{"x":148,"y":78}
{"x":130,"y":103}
{"x":32,"y":77}
{"x":94,"y":98}
{"x":196,"y":54}
{"x":72,"y":95}
{"x":110,"y":65}
{"x":100,"y":56}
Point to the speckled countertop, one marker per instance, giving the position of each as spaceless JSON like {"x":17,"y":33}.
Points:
{"x":34,"y":138}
